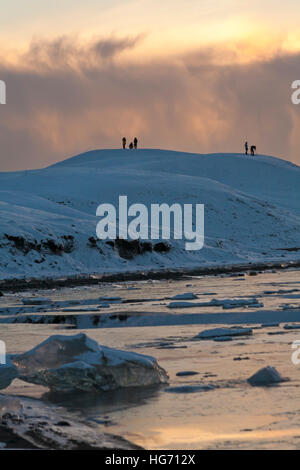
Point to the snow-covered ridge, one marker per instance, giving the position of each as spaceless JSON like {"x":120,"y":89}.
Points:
{"x":48,"y":222}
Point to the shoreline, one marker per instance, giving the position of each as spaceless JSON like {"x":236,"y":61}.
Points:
{"x":40,"y":426}
{"x":18,"y":285}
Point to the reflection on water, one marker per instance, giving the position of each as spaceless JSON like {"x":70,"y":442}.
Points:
{"x":92,"y":405}
{"x":230,"y":415}
{"x":194,"y":437}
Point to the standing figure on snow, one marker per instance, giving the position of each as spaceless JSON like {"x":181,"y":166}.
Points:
{"x":135,"y":142}
{"x":124,"y":142}
{"x":131,"y":145}
{"x":253,"y":148}
{"x":246,"y":148}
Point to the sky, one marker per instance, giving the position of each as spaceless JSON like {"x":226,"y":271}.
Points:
{"x":193,"y":75}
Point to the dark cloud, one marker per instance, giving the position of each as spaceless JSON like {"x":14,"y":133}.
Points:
{"x":108,"y":48}
{"x":68,"y":52}
{"x":64,"y":97}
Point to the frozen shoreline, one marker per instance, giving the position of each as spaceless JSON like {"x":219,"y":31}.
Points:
{"x":46,"y":427}
{"x":22,"y":284}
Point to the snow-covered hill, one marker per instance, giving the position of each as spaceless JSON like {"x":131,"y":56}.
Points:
{"x":48,"y":221}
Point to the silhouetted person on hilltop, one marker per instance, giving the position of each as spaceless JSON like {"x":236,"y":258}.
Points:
{"x":246,"y":148}
{"x":131,"y":145}
{"x":253,"y":148}
{"x":124,"y":142}
{"x":135,"y":142}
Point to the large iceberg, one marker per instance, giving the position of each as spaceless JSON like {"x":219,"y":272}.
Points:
{"x":69,"y":363}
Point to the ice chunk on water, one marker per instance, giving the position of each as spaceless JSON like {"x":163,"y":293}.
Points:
{"x":223,"y":332}
{"x":224,"y":303}
{"x":185,"y":373}
{"x":110,"y":299}
{"x":185,"y":296}
{"x":8,"y":373}
{"x":36,"y":301}
{"x":291,"y":327}
{"x":68,"y":363}
{"x":266,"y":376}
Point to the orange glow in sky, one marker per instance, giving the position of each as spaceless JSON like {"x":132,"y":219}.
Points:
{"x":193,"y":75}
{"x":170,"y":27}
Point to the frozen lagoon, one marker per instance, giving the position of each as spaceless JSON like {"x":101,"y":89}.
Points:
{"x":225,"y":411}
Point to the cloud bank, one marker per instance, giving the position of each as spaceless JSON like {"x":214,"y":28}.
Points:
{"x":65,"y":96}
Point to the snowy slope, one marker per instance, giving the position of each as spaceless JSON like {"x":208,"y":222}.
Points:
{"x":252,"y":210}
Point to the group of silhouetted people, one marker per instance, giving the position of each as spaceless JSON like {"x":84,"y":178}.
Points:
{"x":252,"y":149}
{"x":132,"y":145}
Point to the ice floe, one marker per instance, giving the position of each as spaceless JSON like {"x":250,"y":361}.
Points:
{"x":224,"y":303}
{"x":36,"y":301}
{"x":266,"y":376}
{"x":291,"y":327}
{"x":185,"y":373}
{"x":224,"y":332}
{"x":185,"y":296}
